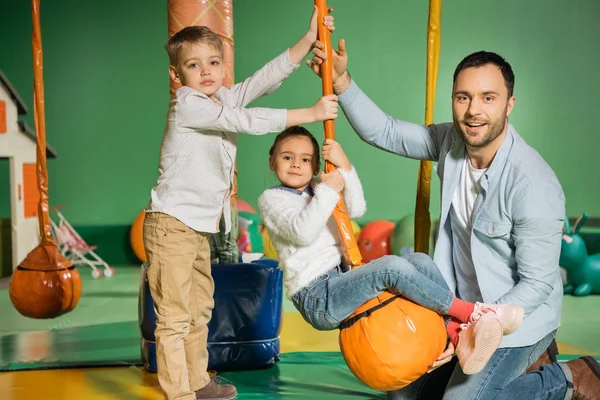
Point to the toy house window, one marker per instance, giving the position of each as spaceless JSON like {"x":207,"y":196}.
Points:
{"x":31,"y":193}
{"x":2,"y":116}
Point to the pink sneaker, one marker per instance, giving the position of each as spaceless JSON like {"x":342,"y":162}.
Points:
{"x":477,"y":342}
{"x":510,"y":315}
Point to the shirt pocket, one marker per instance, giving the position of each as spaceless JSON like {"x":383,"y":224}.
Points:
{"x":496,"y":238}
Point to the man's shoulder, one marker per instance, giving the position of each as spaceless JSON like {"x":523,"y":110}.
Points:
{"x":531,"y":173}
{"x":529,"y":162}
{"x":446,"y":136}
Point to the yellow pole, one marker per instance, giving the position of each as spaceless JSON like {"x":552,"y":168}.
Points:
{"x":422,"y":216}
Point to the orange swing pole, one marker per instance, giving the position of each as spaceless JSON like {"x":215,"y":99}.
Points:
{"x":422,"y":215}
{"x":350,"y":249}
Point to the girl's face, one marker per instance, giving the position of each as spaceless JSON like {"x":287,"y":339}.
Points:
{"x":294,"y":162}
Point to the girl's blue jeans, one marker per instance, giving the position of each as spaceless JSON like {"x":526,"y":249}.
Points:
{"x":332,"y":297}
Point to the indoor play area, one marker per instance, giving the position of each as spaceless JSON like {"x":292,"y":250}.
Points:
{"x":84,"y":90}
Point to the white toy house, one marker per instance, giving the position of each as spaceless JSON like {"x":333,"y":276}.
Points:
{"x":18,"y":143}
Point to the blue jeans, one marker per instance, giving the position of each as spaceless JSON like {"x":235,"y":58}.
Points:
{"x":332,"y":297}
{"x":501,"y":379}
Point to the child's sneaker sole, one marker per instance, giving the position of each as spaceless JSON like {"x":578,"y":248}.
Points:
{"x":487,"y":335}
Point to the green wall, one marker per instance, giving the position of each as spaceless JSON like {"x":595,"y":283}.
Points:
{"x":107,"y":90}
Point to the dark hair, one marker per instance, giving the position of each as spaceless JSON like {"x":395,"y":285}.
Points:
{"x":191,"y":34}
{"x":297,"y":131}
{"x":482,"y":58}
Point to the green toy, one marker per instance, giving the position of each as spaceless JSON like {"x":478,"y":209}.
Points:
{"x":251,"y":222}
{"x":402,"y":239}
{"x":583,"y":270}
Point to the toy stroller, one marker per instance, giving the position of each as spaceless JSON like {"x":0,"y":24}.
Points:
{"x":76,"y":250}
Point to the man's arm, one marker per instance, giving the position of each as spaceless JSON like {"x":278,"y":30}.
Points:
{"x":369,"y":121}
{"x":537,"y":231}
{"x":388,"y":133}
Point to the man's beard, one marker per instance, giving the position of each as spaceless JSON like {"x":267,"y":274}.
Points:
{"x":494,"y":129}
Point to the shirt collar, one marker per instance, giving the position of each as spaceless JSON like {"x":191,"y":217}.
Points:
{"x":309,"y":190}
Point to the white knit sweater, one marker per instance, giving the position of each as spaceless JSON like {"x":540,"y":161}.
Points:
{"x":303,"y":231}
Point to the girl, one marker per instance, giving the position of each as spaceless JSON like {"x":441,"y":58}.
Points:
{"x":298,"y":217}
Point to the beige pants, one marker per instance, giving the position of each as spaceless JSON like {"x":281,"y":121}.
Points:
{"x":182,"y":289}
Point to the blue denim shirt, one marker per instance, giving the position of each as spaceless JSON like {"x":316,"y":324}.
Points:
{"x":517,"y":218}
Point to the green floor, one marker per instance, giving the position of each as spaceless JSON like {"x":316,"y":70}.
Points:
{"x":103,"y":328}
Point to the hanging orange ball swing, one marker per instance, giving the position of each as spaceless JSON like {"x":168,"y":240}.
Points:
{"x":389,"y":341}
{"x":45,"y":284}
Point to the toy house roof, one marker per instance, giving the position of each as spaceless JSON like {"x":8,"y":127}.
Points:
{"x":30,"y":133}
{"x":13,"y":94}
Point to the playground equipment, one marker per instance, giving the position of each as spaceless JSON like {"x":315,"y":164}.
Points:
{"x":389,"y":341}
{"x":45,"y":284}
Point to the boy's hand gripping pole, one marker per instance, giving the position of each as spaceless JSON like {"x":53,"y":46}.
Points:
{"x":350,"y":249}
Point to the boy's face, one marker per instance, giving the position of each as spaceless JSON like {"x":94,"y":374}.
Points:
{"x":200,"y":68}
{"x":293,"y":162}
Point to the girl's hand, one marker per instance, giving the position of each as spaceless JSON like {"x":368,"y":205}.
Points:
{"x":333,"y":152}
{"x":333,"y":179}
{"x":445,"y":357}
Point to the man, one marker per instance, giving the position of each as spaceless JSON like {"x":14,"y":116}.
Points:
{"x":502,"y":213}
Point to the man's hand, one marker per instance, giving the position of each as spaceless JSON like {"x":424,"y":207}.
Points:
{"x":333,"y":152}
{"x":445,"y":357}
{"x":341,"y":78}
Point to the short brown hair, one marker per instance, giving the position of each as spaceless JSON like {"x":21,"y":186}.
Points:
{"x":298,"y":131}
{"x":190,"y":35}
{"x":481,"y":58}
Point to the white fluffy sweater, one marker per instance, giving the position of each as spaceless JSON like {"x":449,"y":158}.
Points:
{"x":303,"y":230}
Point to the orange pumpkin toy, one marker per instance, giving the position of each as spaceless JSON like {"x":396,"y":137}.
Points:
{"x":388,"y":342}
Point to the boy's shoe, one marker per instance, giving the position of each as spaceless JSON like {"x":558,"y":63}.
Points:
{"x":216,"y":391}
{"x":477,"y":342}
{"x":510,"y":315}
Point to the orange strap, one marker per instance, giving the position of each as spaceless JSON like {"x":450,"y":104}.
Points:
{"x":422,"y":216}
{"x":350,"y":249}
{"x":40,"y":125}
{"x":45,"y":256}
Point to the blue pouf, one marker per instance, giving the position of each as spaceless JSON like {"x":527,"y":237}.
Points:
{"x":243,"y":332}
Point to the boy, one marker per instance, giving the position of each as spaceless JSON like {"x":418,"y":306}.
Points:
{"x":193,"y":192}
